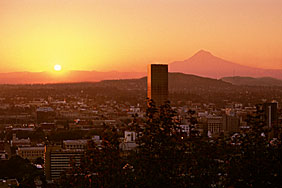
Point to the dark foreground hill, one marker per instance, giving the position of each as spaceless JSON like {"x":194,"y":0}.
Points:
{"x":178,"y":82}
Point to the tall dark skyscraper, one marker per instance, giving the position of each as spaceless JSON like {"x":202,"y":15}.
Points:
{"x":271,"y":117}
{"x":157,"y":83}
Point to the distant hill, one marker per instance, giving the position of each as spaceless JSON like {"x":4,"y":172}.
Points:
{"x":177,"y":82}
{"x":203,"y":63}
{"x":182,"y":88}
{"x":250,"y":81}
{"x":187,"y":87}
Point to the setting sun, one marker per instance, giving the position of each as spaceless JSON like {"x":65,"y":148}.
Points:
{"x":57,"y":67}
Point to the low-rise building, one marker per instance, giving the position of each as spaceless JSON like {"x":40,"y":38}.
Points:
{"x":31,"y":153}
{"x":20,"y":142}
{"x":75,"y":144}
{"x":128,"y":142}
{"x":214,"y":124}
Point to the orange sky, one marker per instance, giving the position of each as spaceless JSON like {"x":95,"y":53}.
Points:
{"x":126,"y":35}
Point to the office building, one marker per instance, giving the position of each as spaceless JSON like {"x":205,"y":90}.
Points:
{"x":214,"y":125}
{"x":157,"y":83}
{"x":231,"y":124}
{"x":271,"y":118}
{"x":31,"y":153}
{"x":58,"y":160}
{"x":75,"y":144}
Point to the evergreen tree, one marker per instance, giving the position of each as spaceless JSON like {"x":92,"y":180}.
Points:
{"x":160,"y":149}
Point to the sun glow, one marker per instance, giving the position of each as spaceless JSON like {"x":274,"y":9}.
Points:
{"x":57,"y":67}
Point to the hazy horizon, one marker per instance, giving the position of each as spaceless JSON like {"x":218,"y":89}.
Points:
{"x":142,"y":70}
{"x":202,"y":63}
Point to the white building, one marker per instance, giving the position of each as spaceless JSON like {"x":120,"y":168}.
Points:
{"x":128,"y":142}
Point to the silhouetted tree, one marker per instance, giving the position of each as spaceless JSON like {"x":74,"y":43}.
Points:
{"x":21,"y":169}
{"x":161,"y":150}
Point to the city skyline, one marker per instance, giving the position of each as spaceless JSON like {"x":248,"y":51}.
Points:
{"x":78,"y":108}
{"x":128,"y":35}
